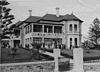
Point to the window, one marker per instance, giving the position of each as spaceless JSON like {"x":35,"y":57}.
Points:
{"x":30,"y":28}
{"x":75,"y":28}
{"x":30,"y":40}
{"x":37,"y":28}
{"x":26,"y":29}
{"x":70,"y":43}
{"x":26,"y":41}
{"x":70,"y":27}
{"x":37,"y":40}
{"x":57,"y":29}
{"x":17,"y":32}
{"x":48,"y":29}
{"x":75,"y":42}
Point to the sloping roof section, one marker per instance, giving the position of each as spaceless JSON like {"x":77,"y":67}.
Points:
{"x":51,"y":17}
{"x":71,"y":17}
{"x":32,"y":19}
{"x":16,"y":25}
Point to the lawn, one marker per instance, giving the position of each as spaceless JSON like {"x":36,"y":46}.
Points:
{"x":87,"y":54}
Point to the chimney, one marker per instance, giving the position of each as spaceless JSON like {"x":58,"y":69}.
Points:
{"x":57,"y":11}
{"x":30,"y":12}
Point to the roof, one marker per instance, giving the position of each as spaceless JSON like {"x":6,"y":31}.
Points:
{"x":52,"y":17}
{"x":32,"y":19}
{"x":16,"y":25}
{"x":71,"y":17}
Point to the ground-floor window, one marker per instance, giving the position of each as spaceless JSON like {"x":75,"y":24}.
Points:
{"x":52,"y":42}
{"x":75,"y":40}
{"x":37,"y":40}
{"x":70,"y":43}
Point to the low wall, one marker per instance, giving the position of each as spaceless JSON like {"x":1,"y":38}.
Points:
{"x":46,"y":66}
{"x":95,"y":67}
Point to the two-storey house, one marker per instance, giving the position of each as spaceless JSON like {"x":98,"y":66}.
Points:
{"x":52,"y":29}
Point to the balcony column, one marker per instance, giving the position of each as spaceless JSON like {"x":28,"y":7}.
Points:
{"x":52,"y":29}
{"x":42,"y":33}
{"x":32,"y":27}
{"x":42,"y":28}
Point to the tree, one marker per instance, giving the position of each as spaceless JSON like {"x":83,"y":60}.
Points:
{"x":87,"y":44}
{"x":5,"y":19}
{"x":94,"y":33}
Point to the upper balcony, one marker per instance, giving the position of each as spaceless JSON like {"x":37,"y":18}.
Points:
{"x":44,"y":30}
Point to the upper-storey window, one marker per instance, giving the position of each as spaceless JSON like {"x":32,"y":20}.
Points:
{"x":70,"y":28}
{"x":26,"y":29}
{"x":37,"y":28}
{"x":30,"y":28}
{"x":57,"y":29}
{"x":17,"y":32}
{"x":75,"y":27}
{"x":48,"y":29}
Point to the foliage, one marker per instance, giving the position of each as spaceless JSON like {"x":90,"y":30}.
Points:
{"x":5,"y":17}
{"x":94,"y":33}
{"x":87,"y":44}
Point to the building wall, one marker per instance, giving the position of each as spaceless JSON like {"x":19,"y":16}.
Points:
{"x":72,"y":34}
{"x":65,"y":35}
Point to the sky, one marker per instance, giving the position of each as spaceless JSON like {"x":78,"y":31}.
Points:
{"x":86,"y":10}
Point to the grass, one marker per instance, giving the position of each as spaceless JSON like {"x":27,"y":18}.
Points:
{"x":87,"y":54}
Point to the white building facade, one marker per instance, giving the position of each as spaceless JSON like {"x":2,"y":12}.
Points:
{"x":52,"y":29}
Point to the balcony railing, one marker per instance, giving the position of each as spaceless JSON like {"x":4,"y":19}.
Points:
{"x":47,"y":34}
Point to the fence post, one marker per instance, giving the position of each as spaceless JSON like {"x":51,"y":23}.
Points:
{"x":56,"y":55}
{"x":78,"y":60}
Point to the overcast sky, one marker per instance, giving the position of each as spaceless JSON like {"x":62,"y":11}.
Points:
{"x":86,"y":10}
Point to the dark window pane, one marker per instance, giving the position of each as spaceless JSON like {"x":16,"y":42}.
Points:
{"x":75,"y":27}
{"x":37,"y":28}
{"x":70,"y":27}
{"x":75,"y":42}
{"x":48,"y":29}
{"x":57,"y":29}
{"x":70,"y":43}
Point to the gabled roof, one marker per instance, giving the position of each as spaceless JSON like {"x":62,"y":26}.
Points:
{"x":71,"y":17}
{"x":51,"y":17}
{"x":32,"y":19}
{"x":16,"y":25}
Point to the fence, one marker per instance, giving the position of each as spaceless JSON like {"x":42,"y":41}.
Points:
{"x":92,"y":66}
